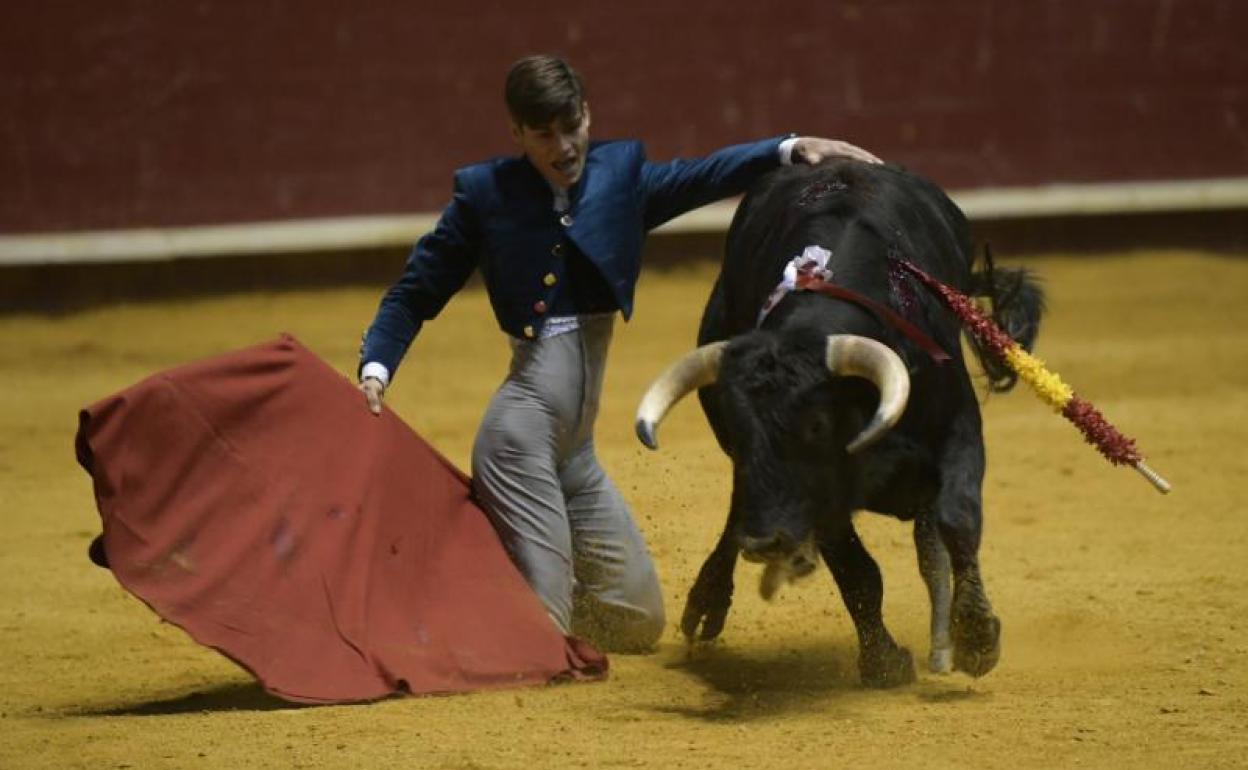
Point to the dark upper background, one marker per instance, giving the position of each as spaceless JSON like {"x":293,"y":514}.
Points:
{"x":136,"y":113}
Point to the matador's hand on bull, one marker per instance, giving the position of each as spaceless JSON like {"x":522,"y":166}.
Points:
{"x":813,"y":149}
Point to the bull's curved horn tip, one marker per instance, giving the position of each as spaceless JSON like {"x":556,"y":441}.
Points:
{"x":871,"y":434}
{"x":645,"y":432}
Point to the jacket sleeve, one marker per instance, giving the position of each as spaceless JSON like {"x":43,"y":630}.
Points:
{"x":670,"y":189}
{"x":438,"y":266}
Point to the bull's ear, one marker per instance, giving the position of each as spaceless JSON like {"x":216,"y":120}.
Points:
{"x":850,"y":355}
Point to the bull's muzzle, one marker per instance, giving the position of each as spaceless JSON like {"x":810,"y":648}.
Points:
{"x":785,"y":560}
{"x":766,"y":549}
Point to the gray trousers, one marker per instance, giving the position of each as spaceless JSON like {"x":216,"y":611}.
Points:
{"x":560,"y":518}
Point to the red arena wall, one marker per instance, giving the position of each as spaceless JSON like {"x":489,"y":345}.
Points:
{"x":138,"y":113}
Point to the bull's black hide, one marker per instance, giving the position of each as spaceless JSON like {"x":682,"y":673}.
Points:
{"x":786,"y":418}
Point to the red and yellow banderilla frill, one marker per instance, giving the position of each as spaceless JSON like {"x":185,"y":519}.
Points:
{"x":1116,"y":447}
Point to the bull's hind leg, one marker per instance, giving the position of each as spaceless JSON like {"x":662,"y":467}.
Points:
{"x":935,"y":569}
{"x":881,"y":661}
{"x":975,"y":630}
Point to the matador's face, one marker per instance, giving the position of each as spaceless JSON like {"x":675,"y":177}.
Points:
{"x":557,"y":150}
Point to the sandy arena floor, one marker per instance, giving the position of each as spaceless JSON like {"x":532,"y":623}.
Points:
{"x":1125,"y":612}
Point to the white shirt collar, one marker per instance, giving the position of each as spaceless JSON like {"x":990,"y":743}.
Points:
{"x":561,"y":203}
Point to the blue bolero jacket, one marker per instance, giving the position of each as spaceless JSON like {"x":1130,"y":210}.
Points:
{"x":501,"y":219}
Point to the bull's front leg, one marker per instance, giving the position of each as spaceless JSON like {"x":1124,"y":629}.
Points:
{"x":935,"y":568}
{"x":974,"y":629}
{"x":711,"y":596}
{"x":881,"y":661}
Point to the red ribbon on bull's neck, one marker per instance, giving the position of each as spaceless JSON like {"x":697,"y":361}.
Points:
{"x":885,"y":314}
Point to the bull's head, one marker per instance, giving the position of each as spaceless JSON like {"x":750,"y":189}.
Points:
{"x":790,"y":417}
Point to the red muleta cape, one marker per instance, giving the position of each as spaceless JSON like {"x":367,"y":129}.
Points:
{"x":252,"y":500}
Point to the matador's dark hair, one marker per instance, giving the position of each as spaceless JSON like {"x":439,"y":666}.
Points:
{"x":541,"y":89}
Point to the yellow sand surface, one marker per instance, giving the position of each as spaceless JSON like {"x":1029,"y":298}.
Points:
{"x":1125,"y":612}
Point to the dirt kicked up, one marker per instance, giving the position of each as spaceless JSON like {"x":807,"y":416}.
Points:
{"x":1125,"y":612}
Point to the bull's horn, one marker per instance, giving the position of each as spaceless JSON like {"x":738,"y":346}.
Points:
{"x":696,"y":369}
{"x":864,"y":357}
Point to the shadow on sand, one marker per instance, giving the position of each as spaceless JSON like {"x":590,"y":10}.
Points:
{"x":237,"y":696}
{"x":751,"y":683}
{"x":762,"y":683}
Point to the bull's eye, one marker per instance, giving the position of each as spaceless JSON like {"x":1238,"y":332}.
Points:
{"x":816,"y":428}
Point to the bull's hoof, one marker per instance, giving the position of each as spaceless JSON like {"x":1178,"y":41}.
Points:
{"x":976,"y":642}
{"x":940,"y":660}
{"x":705,"y":614}
{"x":889,"y":667}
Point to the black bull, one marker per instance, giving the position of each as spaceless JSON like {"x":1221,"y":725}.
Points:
{"x":827,"y":407}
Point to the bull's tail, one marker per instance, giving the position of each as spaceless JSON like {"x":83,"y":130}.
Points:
{"x":1016,"y":300}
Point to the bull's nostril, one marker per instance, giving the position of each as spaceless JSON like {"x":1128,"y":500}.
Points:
{"x":777,"y":546}
{"x":752,"y":548}
{"x":802,"y":566}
